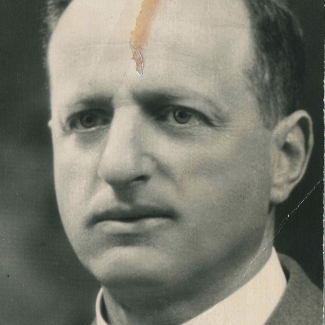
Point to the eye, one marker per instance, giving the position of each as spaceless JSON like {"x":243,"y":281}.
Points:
{"x":182,"y":116}
{"x":175,"y":115}
{"x":90,"y":119}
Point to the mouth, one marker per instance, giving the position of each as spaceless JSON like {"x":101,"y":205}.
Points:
{"x":132,"y":214}
{"x":134,"y":220}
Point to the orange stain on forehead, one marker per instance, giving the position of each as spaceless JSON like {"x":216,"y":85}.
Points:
{"x":140,"y":34}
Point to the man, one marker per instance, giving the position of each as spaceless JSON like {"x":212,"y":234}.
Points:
{"x":176,"y":132}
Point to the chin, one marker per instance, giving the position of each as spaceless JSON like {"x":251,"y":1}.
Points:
{"x":121,"y":267}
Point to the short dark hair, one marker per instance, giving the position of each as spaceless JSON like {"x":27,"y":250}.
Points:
{"x":276,"y":78}
{"x":278,"y":75}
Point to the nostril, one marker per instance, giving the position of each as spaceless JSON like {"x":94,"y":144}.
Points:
{"x":141,"y":178}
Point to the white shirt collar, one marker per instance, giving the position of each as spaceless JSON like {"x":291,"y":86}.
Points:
{"x":252,"y":304}
{"x":99,"y":308}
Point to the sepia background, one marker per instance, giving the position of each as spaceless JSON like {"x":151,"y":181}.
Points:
{"x":41,"y":280}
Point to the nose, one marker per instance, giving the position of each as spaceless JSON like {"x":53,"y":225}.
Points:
{"x":124,"y":160}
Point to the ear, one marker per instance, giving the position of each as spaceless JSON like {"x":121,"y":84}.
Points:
{"x":292,"y":141}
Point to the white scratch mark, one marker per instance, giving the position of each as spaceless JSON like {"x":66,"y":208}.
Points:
{"x":276,"y":233}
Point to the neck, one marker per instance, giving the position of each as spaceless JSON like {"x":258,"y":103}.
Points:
{"x":178,"y":304}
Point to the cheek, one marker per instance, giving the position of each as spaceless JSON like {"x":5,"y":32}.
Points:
{"x":221,"y":164}
{"x":228,"y":184}
{"x":75,"y":178}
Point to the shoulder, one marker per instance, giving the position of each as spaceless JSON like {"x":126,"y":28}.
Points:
{"x":302,"y":302}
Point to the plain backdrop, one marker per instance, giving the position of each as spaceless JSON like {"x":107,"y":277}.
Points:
{"x":41,"y":280}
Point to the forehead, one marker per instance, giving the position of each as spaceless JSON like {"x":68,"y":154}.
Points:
{"x":187,"y":41}
{"x":182,"y":24}
{"x":119,"y":16}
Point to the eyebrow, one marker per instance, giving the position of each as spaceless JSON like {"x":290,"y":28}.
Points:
{"x":165,"y":96}
{"x":153,"y":100}
{"x":146,"y":98}
{"x":99,"y":101}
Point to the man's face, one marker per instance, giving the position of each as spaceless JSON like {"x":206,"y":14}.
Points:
{"x":164,"y":177}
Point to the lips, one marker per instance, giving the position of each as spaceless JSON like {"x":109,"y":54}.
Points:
{"x":132,"y":221}
{"x":132,"y":214}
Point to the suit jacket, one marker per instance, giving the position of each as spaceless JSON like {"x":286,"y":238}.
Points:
{"x":302,"y":302}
